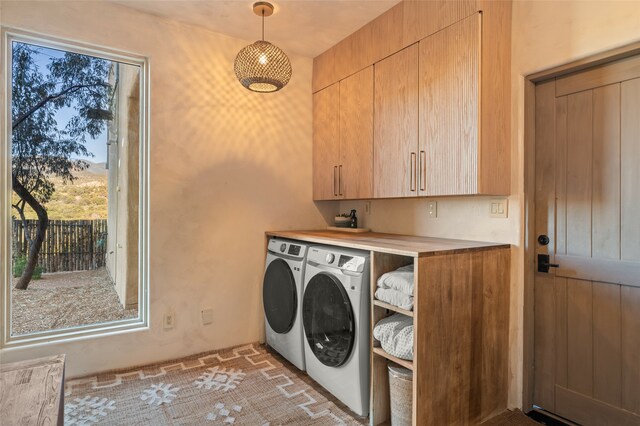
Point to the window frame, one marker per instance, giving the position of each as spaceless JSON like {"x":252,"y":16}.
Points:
{"x":10,"y":35}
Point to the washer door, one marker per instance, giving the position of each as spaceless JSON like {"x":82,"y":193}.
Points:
{"x":279,"y":296}
{"x":328,"y":320}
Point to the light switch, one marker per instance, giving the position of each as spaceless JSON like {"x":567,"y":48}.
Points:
{"x":499,"y":208}
{"x":432,"y":209}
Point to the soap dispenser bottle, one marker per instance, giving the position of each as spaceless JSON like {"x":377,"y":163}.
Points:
{"x":354,"y":219}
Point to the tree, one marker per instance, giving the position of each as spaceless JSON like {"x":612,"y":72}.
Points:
{"x":40,"y":148}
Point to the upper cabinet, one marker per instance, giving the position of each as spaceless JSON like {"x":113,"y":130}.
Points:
{"x":343,"y":139}
{"x":449,"y":108}
{"x":441,"y":90}
{"x":326,"y":142}
{"x":396,"y":153}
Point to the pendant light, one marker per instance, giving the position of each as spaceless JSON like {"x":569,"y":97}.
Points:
{"x":261,"y":66}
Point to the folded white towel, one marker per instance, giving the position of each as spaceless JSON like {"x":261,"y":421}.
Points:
{"x":401,"y":279}
{"x":395,"y":334}
{"x":395,"y":298}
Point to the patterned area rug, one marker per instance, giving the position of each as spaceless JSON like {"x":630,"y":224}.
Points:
{"x":246,"y":385}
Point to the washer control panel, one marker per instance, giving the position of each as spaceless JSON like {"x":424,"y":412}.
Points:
{"x":288,"y":248}
{"x":345,"y":260}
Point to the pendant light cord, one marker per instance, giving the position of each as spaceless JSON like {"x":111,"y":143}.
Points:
{"x":262,"y":24}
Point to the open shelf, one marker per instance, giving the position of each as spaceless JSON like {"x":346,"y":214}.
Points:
{"x":403,"y":362}
{"x":392,"y":308}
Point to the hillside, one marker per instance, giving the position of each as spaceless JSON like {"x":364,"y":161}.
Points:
{"x":85,"y":198}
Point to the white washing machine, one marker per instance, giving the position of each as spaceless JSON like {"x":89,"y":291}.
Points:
{"x":335,"y":314}
{"x":282,"y":289}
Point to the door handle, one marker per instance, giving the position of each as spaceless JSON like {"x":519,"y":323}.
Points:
{"x":335,"y":180}
{"x":423,"y":170}
{"x":544,"y":263}
{"x":340,"y":179}
{"x":412,"y":184}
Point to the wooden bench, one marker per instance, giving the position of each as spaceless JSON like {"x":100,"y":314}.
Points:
{"x":32,"y":392}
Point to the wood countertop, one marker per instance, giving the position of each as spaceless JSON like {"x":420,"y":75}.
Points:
{"x":404,"y":245}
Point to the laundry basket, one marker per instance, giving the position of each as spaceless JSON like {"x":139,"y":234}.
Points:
{"x":400,"y":391}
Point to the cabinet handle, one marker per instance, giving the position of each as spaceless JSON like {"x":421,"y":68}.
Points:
{"x":340,"y":179}
{"x":423,"y":170}
{"x":335,"y":180}
{"x":413,"y":172}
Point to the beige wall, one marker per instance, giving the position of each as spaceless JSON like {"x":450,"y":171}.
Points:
{"x":544,"y":34}
{"x":226,"y":165}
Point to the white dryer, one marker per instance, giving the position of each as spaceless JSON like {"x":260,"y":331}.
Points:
{"x":282,"y":290}
{"x":335,"y":314}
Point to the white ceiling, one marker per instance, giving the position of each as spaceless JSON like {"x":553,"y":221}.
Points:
{"x":303,"y":27}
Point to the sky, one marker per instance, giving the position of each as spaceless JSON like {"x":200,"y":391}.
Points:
{"x":97,"y":146}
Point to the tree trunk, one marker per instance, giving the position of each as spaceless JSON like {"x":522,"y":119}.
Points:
{"x":36,"y":242}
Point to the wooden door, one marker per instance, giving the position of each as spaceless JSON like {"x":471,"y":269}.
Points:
{"x":587,"y":201}
{"x":326,"y":142}
{"x":395,"y":134}
{"x":449,"y":108}
{"x":355,"y":170}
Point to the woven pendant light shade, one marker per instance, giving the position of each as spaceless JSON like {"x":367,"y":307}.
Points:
{"x":262,"y":67}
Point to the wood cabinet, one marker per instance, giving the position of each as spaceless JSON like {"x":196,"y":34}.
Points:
{"x":442,"y":105}
{"x":449,"y":107}
{"x":343,"y":139}
{"x":460,"y":322}
{"x":326,"y":142}
{"x":396,"y":152}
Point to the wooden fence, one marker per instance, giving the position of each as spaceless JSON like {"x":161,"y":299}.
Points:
{"x":69,"y":245}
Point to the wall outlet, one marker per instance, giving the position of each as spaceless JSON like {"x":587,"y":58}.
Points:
{"x":432,"y":209}
{"x":168,"y":320}
{"x":367,"y":207}
{"x":207,"y":316}
{"x":498,"y":208}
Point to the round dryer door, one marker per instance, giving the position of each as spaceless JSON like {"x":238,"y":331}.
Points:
{"x":279,"y":296}
{"x":328,"y":320}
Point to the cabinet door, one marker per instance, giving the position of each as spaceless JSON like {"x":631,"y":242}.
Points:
{"x":356,"y":136}
{"x":449,"y":107}
{"x":395,"y":134}
{"x":326,"y":142}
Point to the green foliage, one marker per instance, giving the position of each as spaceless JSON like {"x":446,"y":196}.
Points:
{"x":18,"y":268}
{"x":85,"y":198}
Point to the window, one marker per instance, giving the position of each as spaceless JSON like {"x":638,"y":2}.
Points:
{"x":75,"y":203}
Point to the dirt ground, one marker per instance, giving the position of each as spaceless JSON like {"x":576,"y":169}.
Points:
{"x":66,"y":299}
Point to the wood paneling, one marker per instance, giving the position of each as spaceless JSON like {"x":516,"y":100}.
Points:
{"x":579,"y":177}
{"x":623,"y":69}
{"x":449,"y":66}
{"x":544,"y":344}
{"x":326,"y":142}
{"x":606,"y":172}
{"x":371,"y":43}
{"x":32,"y":392}
{"x":580,"y":336}
{"x":461,"y":338}
{"x":545,"y":165}
{"x":560,"y":171}
{"x":494,"y":166}
{"x":591,"y":412}
{"x":630,"y":172}
{"x":495,"y":339}
{"x":395,"y":134}
{"x":630,"y":342}
{"x":607,"y":358}
{"x":423,"y":18}
{"x":604,"y":270}
{"x":356,"y":136}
